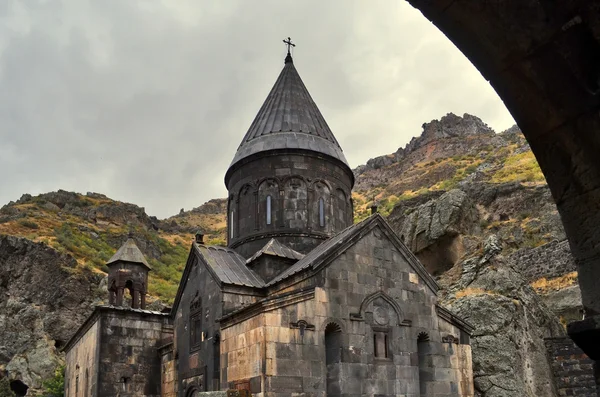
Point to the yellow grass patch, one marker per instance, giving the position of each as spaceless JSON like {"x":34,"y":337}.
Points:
{"x":522,"y":167}
{"x":544,"y":285}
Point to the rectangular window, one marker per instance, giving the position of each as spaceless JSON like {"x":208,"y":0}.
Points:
{"x":231,"y":224}
{"x":380,"y":344}
{"x":196,"y":329}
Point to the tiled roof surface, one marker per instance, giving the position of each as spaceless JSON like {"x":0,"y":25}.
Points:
{"x":228,"y":266}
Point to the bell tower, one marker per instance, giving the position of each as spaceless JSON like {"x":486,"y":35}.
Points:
{"x":128,"y":273}
{"x":289,"y":178}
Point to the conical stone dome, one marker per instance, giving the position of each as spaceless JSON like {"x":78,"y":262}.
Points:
{"x":289,"y":119}
{"x":289,"y":178}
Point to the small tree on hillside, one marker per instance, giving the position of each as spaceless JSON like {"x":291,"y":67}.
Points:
{"x":55,"y":386}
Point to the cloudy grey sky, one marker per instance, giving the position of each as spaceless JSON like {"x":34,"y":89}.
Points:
{"x":146,"y":101}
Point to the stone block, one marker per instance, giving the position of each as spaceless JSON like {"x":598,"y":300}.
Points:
{"x":284,"y":383}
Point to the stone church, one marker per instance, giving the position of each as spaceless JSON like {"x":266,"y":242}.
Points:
{"x":301,"y":302}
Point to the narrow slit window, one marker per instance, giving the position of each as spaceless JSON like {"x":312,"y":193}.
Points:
{"x":268,"y":210}
{"x":381,"y":345}
{"x":321,"y":212}
{"x":231,"y":225}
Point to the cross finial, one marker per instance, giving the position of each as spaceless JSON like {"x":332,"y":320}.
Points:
{"x":289,"y":44}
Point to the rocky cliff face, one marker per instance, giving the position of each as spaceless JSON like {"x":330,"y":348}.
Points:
{"x":44,"y":297}
{"x":511,"y":322}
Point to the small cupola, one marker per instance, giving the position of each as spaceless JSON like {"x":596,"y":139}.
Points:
{"x":128,"y":273}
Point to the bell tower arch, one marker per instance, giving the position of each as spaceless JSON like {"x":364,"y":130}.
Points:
{"x":128,"y":276}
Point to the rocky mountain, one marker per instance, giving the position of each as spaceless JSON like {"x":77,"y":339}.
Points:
{"x":471,"y":203}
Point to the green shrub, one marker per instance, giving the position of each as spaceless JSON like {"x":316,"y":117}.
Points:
{"x":28,"y":223}
{"x":55,"y":386}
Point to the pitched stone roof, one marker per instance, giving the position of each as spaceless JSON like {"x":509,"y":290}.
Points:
{"x":228,"y":266}
{"x":275,"y":248}
{"x":319,"y":251}
{"x":346,"y":238}
{"x":129,"y":252}
{"x":289,"y":119}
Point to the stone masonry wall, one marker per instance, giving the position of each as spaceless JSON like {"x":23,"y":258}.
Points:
{"x":169,"y":373}
{"x":203,"y":298}
{"x":242,"y":351}
{"x":295,"y":184}
{"x":549,"y":260}
{"x":81,"y":371}
{"x":129,"y":360}
{"x":572,"y":369}
{"x":366,"y":293}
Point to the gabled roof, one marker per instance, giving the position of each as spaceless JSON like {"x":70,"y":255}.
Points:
{"x":330,"y":249}
{"x":275,"y":248}
{"x":289,"y":119}
{"x":129,"y":252}
{"x":228,"y":266}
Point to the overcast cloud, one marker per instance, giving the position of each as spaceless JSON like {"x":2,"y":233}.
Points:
{"x":146,"y":101}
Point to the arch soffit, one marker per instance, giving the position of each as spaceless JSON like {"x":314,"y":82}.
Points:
{"x":423,"y":337}
{"x":261,"y":182}
{"x":248,"y":186}
{"x":315,"y":182}
{"x":345,"y":195}
{"x":380,"y":294}
{"x":334,"y":322}
{"x":286,"y":179}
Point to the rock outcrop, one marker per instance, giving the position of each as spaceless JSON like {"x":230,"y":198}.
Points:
{"x":433,"y":230}
{"x":511,"y":322}
{"x":93,"y":207}
{"x":44,"y":298}
{"x":455,"y":132}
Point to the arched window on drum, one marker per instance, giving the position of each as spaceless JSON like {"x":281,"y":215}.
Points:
{"x":268,"y":192}
{"x":321,"y":211}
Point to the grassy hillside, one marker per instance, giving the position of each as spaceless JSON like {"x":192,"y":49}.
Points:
{"x":512,"y":162}
{"x":91,"y":228}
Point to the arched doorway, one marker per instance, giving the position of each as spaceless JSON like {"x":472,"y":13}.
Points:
{"x":333,"y":358}
{"x":425,"y":364}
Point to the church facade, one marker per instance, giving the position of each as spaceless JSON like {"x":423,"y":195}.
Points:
{"x":301,"y":302}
